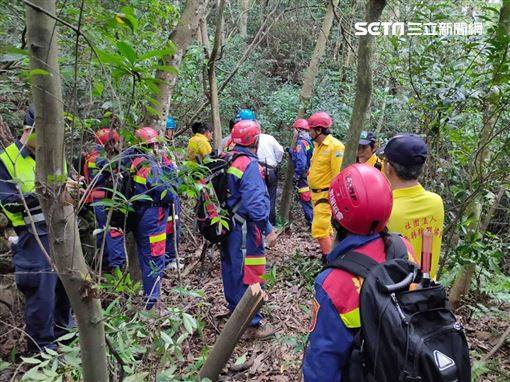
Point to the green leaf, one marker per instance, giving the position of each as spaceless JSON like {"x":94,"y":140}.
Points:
{"x":140,"y":197}
{"x":14,"y":50}
{"x":240,"y":360}
{"x":169,"y":69}
{"x":51,"y":352}
{"x":153,"y":101}
{"x":131,"y":21}
{"x":97,"y":90}
{"x":138,"y":377}
{"x":167,"y":339}
{"x":4,"y":365}
{"x":224,"y":223}
{"x":155,"y":53}
{"x":151,"y":110}
{"x":38,"y":72}
{"x":110,"y":57}
{"x":34,"y":375}
{"x":189,"y":323}
{"x":127,"y":51}
{"x":31,"y":361}
{"x":153,"y":87}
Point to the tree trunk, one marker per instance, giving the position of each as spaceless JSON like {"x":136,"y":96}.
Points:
{"x":363,"y":84}
{"x":213,"y":85}
{"x":6,"y":137}
{"x":347,"y":44}
{"x":464,"y":277}
{"x":243,"y":24}
{"x":181,"y":36}
{"x":304,"y":98}
{"x":380,"y":122}
{"x":251,"y":302}
{"x":65,"y":246}
{"x":132,"y":255}
{"x":257,"y":40}
{"x":338,"y":43}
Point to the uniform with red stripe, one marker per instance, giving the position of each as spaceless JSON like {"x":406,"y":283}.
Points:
{"x":242,"y":253}
{"x":300,"y":156}
{"x":150,"y":216}
{"x":98,"y":168}
{"x":170,"y":172}
{"x":337,"y":320}
{"x":361,"y":202}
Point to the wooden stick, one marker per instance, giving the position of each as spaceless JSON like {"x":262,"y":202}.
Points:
{"x":177,"y":258}
{"x":500,"y":343}
{"x":250,"y":304}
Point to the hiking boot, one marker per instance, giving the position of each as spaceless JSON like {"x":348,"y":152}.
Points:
{"x":172,"y":265}
{"x":260,"y":332}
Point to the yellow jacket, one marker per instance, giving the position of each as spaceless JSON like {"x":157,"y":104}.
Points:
{"x":198,"y":146}
{"x":415,"y":210}
{"x":373,"y":160}
{"x":325,"y":163}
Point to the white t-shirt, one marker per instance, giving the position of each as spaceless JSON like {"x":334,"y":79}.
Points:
{"x":269,"y":151}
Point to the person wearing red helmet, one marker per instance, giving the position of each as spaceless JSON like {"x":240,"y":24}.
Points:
{"x":361,"y":201}
{"x":242,"y":253}
{"x":99,"y":168}
{"x":150,"y":216}
{"x":300,"y":156}
{"x":324,"y":166}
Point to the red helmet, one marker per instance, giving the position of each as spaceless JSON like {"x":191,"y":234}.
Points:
{"x":245,"y":132}
{"x":320,"y":119}
{"x":301,"y":124}
{"x":361,"y":199}
{"x":103,"y":136}
{"x":147,"y":135}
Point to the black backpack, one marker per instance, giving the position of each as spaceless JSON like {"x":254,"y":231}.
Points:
{"x":405,"y":335}
{"x":214,"y":219}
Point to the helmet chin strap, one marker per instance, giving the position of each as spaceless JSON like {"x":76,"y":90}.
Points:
{"x":317,"y":135}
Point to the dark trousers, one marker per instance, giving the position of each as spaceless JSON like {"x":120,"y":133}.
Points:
{"x":272,"y":185}
{"x":47,"y":308}
{"x":305,"y":199}
{"x":114,"y":255}
{"x":244,"y":240}
{"x":170,"y":244}
{"x":150,"y":236}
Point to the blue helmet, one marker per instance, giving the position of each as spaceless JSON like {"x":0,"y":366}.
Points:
{"x":245,"y":114}
{"x":170,"y":123}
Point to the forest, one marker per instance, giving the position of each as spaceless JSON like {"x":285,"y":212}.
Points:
{"x":436,"y":70}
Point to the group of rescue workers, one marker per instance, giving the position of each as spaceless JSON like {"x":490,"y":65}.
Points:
{"x":358,"y":205}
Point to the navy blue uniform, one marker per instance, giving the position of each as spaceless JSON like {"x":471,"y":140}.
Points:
{"x":301,"y":156}
{"x":242,"y":253}
{"x":150,"y":221}
{"x":47,"y":308}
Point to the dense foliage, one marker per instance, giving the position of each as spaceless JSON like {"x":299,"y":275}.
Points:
{"x":443,"y":87}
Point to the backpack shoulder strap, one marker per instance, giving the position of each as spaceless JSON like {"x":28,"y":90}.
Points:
{"x":239,"y":161}
{"x":354,"y":262}
{"x":394,"y":246}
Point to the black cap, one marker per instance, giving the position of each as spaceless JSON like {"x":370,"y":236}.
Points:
{"x":406,"y":150}
{"x":29,"y":117}
{"x":366,"y":138}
